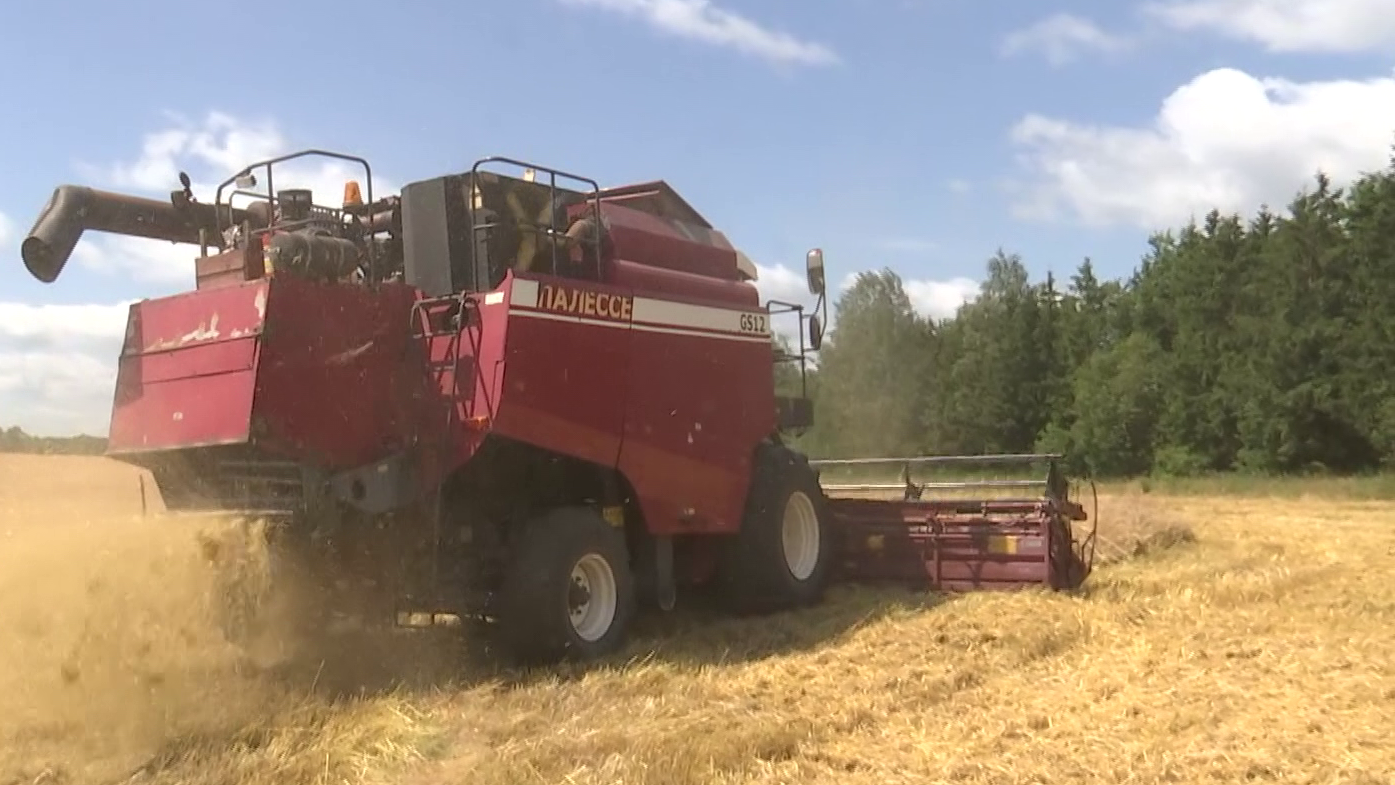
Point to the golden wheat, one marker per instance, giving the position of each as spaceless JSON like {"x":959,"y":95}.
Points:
{"x":1224,"y":640}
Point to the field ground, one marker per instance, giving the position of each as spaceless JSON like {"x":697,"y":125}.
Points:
{"x":1261,"y":651}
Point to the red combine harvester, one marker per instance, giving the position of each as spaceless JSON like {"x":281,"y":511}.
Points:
{"x":493,"y":396}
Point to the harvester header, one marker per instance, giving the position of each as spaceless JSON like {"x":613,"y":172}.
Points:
{"x":520,"y":398}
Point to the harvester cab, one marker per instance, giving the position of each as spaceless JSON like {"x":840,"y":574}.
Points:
{"x":519,"y":398}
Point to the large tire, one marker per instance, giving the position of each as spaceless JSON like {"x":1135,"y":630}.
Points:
{"x":569,"y":592}
{"x":782,"y":556}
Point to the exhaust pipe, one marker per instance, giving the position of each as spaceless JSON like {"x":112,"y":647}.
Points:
{"x":74,"y":209}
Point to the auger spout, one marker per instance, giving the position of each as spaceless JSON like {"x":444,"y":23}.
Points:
{"x":74,"y":209}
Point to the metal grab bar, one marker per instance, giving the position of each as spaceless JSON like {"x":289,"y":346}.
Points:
{"x":1050,"y":482}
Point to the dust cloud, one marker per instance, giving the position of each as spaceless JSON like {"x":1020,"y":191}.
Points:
{"x":109,"y":651}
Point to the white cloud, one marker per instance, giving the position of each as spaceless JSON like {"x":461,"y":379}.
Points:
{"x":55,"y":393}
{"x":701,"y":20}
{"x":219,"y":146}
{"x":1288,"y":25}
{"x":940,"y":299}
{"x":7,"y":230}
{"x":1225,"y":140}
{"x":1061,"y":38}
{"x":781,"y":283}
{"x":170,"y":266}
{"x":210,"y":151}
{"x":58,"y":365}
{"x":930,"y":298}
{"x":934,"y":299}
{"x":63,"y":323}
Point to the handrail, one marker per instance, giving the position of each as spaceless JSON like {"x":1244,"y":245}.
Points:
{"x":1049,"y":482}
{"x":931,"y":459}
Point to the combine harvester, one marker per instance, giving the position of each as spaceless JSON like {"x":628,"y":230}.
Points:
{"x":497,"y":397}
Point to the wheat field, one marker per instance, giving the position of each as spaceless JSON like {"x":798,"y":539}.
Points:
{"x":1225,"y":639}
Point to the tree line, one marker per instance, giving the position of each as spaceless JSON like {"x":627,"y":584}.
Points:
{"x":1260,"y":344}
{"x":15,"y":440}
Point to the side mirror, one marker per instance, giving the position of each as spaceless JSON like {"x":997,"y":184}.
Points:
{"x":815,"y":332}
{"x":814,"y":271}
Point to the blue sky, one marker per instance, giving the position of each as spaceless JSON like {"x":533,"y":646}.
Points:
{"x":919,"y":135}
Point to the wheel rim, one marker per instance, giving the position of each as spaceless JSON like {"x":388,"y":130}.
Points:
{"x":800,"y":533}
{"x":593,"y":597}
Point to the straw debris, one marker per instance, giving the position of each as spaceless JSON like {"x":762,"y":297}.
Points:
{"x":1223,"y":640}
{"x":1133,"y":525}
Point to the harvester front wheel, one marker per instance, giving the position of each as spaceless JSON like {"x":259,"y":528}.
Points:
{"x":782,"y":555}
{"x":569,"y":592}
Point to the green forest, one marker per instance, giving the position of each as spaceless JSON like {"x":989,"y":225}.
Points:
{"x":1259,"y":344}
{"x":15,"y":440}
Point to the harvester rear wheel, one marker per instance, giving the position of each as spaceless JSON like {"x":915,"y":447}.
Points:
{"x":569,"y":592}
{"x":783,"y":553}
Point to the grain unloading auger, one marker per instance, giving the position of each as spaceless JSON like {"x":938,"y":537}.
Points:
{"x":520,"y":398}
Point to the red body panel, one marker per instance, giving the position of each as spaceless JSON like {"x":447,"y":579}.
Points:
{"x":566,"y":375}
{"x":667,"y":244}
{"x":958,"y":546}
{"x":335,"y":378}
{"x":680,"y":286}
{"x":305,"y":370}
{"x":699,"y":405}
{"x":188,"y":370}
{"x":676,"y":394}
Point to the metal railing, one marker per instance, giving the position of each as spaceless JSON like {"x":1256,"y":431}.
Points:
{"x":1050,"y":482}
{"x":319,"y":213}
{"x":552,"y":233}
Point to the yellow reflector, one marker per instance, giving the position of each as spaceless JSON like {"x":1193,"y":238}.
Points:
{"x":1002,"y":544}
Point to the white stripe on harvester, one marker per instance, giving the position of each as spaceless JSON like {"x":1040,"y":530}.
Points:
{"x":658,"y":316}
{"x":646,"y":328}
